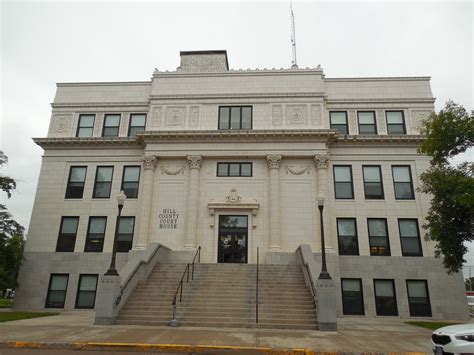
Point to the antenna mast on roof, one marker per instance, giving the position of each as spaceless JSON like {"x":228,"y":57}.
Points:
{"x":294,"y":64}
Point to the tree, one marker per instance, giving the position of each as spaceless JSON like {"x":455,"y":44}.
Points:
{"x":11,"y":236}
{"x":450,"y":219}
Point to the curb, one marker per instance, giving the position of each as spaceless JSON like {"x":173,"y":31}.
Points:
{"x":179,"y":348}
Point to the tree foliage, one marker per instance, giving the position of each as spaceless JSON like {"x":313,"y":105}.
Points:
{"x":11,"y":236}
{"x":450,"y":220}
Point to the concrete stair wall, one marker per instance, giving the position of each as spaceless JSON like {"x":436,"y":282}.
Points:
{"x":223,"y":295}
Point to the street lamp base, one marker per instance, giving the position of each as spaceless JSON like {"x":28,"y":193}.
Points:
{"x":112,"y":272}
{"x":324,"y":275}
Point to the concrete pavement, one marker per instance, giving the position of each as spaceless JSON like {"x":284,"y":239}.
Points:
{"x":355,"y":334}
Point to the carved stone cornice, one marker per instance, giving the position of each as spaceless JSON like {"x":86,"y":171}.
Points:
{"x":274,"y":161}
{"x":142,"y":104}
{"x":149,"y":162}
{"x":89,"y":142}
{"x":321,"y":161}
{"x":194,"y":161}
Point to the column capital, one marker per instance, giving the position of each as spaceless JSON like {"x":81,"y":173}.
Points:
{"x":194,"y":161}
{"x":149,"y":162}
{"x":274,"y":161}
{"x":321,"y":161}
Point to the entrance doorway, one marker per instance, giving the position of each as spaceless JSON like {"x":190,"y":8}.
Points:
{"x":232,"y":241}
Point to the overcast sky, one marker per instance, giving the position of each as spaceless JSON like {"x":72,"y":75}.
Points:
{"x":49,"y":42}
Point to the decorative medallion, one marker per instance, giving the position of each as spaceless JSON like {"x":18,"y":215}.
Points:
{"x":297,"y":170}
{"x":62,"y":124}
{"x":277,"y":115}
{"x":316,"y":115}
{"x":274,"y":161}
{"x":175,"y":116}
{"x":172,"y":169}
{"x":296,"y":114}
{"x":321,"y":161}
{"x":233,"y":197}
{"x":194,"y":116}
{"x":149,"y":162}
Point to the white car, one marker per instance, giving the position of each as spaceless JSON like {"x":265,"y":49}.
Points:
{"x":455,"y":339}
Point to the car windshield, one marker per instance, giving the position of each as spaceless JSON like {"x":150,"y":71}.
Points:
{"x":470,"y":299}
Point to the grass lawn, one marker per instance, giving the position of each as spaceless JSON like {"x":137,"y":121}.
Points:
{"x":4,"y":303}
{"x":9,"y":316}
{"x":430,"y":325}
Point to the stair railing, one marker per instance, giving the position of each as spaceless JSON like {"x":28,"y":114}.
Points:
{"x":174,"y":321}
{"x":308,"y":275}
{"x":256,"y":290}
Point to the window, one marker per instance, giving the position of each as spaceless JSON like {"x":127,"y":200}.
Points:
{"x":67,"y":234}
{"x":85,"y":126}
{"x":402,"y":182}
{"x":235,"y":117}
{"x":343,"y":181}
{"x":378,"y":236}
{"x":352,"y":296}
{"x":234,"y":169}
{"x":75,"y":183}
{"x":85,"y":297}
{"x":111,"y":125}
{"x":373,"y":186}
{"x":395,"y":122}
{"x":418,"y":298}
{"x":367,"y":122}
{"x":130,"y":180}
{"x":125,"y":234}
{"x":385,"y":299}
{"x":57,"y":291}
{"x":137,"y":123}
{"x":338,"y":120}
{"x":409,"y":237}
{"x":347,"y":236}
{"x":95,"y":234}
{"x":103,"y":182}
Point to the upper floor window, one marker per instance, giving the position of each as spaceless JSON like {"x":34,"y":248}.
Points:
{"x":338,"y":120}
{"x":234,"y":169}
{"x":343,"y":187}
{"x":95,"y":234}
{"x":103,"y":182}
{"x":347,"y":236}
{"x":378,"y":236}
{"x":75,"y":183}
{"x":111,"y":125}
{"x":352,"y":296}
{"x":418,"y":298}
{"x":385,"y":298}
{"x":402,"y":182}
{"x":130,"y":181}
{"x":235,"y":117}
{"x":395,"y":122}
{"x":373,"y":186}
{"x":137,"y":123}
{"x":57,"y":291}
{"x":67,"y":234}
{"x":125,"y":234}
{"x":86,"y":291}
{"x":367,"y":123}
{"x":409,"y":237}
{"x":85,"y":127}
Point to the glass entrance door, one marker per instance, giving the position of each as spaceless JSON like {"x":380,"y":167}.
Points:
{"x":232,"y":241}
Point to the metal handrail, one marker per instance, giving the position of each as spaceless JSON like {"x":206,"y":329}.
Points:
{"x":181,"y":282}
{"x":256,"y":290}
{"x":308,"y":275}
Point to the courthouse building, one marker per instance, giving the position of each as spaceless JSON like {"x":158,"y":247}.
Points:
{"x":231,"y":160}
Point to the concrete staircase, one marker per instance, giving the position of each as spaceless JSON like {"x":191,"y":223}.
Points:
{"x":223,"y":295}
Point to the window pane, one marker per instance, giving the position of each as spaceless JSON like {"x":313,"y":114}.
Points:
{"x":88,"y":283}
{"x":395,"y":117}
{"x":343,"y":190}
{"x":234,"y":169}
{"x":112,"y":120}
{"x":233,"y":221}
{"x":342,"y":173}
{"x":138,"y":120}
{"x":367,"y":129}
{"x":352,"y":301}
{"x":56,"y":299}
{"x":351,"y":285}
{"x":104,"y":174}
{"x":69,"y":225}
{"x":222,"y":169}
{"x":131,"y":173}
{"x":224,"y":114}
{"x":86,"y":121}
{"x":396,"y":129}
{"x":371,"y":173}
{"x":85,"y":132}
{"x":97,"y":225}
{"x":246,"y":169}
{"x":410,"y":246}
{"x":366,"y":118}
{"x":235,"y":118}
{"x":408,"y":228}
{"x":338,"y":118}
{"x":401,"y":174}
{"x":126,"y":225}
{"x":346,"y":227}
{"x":377,"y":227}
{"x":416,"y":289}
{"x":384,"y":288}
{"x":341,"y":128}
{"x":403,"y":190}
{"x":111,"y":132}
{"x":59,"y":282}
{"x":78,"y":174}
{"x":246,"y":118}
{"x":85,"y":299}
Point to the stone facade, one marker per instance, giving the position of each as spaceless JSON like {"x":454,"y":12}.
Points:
{"x":292,"y":151}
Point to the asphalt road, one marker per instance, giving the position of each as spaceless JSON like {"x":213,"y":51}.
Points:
{"x":71,"y":352}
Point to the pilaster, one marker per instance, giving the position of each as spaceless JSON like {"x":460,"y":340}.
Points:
{"x":274,"y":162}
{"x":194,"y":162}
{"x":321,"y":162}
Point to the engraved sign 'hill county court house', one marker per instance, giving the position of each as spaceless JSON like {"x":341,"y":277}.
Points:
{"x":230,"y":161}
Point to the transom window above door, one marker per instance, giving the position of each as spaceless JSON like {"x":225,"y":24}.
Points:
{"x":235,"y":117}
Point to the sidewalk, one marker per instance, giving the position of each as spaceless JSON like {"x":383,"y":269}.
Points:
{"x":355,"y":334}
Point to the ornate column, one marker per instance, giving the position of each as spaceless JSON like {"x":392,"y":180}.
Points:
{"x":274,"y":161}
{"x":194,"y":162}
{"x":321,"y":162}
{"x":149,"y":165}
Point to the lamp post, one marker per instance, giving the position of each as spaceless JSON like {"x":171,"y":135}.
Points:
{"x":120,"y":202}
{"x":324,"y":271}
